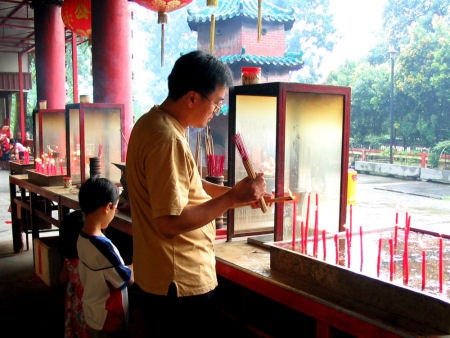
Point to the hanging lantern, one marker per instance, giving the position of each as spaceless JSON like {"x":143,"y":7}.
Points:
{"x":212,"y":31}
{"x":162,"y":7}
{"x":76,"y":15}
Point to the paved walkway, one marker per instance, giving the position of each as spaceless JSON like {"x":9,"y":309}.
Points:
{"x":426,"y":189}
{"x":379,"y":198}
{"x":5,"y":215}
{"x":372,"y":200}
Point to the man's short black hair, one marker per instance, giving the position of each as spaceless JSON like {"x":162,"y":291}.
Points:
{"x":200,"y":72}
{"x":97,"y":192}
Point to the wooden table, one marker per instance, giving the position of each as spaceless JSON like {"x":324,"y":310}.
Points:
{"x":24,"y":196}
{"x":273,"y":296}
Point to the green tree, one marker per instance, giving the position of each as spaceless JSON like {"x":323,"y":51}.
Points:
{"x":420,"y":32}
{"x":313,"y":34}
{"x":424,"y":78}
{"x":84,"y":65}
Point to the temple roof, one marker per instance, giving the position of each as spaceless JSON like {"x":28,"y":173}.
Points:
{"x":230,"y":9}
{"x":289,"y":60}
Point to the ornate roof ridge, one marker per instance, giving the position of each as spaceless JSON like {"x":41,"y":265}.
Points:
{"x":248,"y":9}
{"x":290,"y":60}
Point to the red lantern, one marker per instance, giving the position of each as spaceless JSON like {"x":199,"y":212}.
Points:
{"x":162,"y":7}
{"x":76,"y":15}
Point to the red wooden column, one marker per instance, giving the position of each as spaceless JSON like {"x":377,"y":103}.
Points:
{"x":21,"y":101}
{"x":111,"y":59}
{"x":50,"y":54}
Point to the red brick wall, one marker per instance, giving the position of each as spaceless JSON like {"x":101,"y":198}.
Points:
{"x":232,"y":35}
{"x":271,"y":44}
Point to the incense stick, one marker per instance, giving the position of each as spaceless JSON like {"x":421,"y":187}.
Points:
{"x":238,"y":141}
{"x":198,"y":153}
{"x":272,"y":200}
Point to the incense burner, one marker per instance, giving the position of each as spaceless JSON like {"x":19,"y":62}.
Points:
{"x":357,"y":285}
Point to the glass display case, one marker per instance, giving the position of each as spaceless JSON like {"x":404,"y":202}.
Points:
{"x":50,"y":132}
{"x":50,"y":137}
{"x":298,"y":135}
{"x":94,"y":131}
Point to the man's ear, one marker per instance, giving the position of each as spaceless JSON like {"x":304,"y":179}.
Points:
{"x":191,"y":98}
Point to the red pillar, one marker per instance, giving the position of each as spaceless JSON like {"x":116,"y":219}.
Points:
{"x":75,"y":67}
{"x":423,"y":160}
{"x":21,"y":100}
{"x":111,"y":58}
{"x":50,"y":55}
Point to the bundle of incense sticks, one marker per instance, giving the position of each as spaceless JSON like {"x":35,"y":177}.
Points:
{"x":214,"y":163}
{"x":239,"y":142}
{"x":209,"y":143}
{"x":198,"y":153}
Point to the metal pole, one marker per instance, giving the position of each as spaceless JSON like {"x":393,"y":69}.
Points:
{"x":391,"y":110}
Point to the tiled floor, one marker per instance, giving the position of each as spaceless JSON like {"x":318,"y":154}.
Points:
{"x":27,"y":306}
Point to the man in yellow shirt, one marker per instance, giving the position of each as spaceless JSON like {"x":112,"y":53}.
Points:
{"x":173,"y":209}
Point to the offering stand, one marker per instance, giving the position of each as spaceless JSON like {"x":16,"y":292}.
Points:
{"x":50,"y":133}
{"x":298,"y":135}
{"x":94,"y":130}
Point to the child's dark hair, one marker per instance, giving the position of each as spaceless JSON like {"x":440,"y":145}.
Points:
{"x":96,"y":192}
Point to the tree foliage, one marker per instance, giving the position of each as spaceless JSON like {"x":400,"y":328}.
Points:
{"x":418,"y":29}
{"x":420,"y":32}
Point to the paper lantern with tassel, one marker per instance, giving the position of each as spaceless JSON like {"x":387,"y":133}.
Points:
{"x":212,"y":32}
{"x":76,"y":15}
{"x":162,"y":7}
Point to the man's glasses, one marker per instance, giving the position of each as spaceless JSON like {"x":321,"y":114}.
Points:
{"x":217,"y":107}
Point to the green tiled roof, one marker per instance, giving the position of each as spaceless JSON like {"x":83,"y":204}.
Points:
{"x":229,"y":9}
{"x":290,"y":60}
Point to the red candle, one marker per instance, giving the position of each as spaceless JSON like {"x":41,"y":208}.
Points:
{"x":316,"y":233}
{"x":423,"y":269}
{"x":441,"y":264}
{"x":395,"y":236}
{"x":391,"y":260}
{"x":347,"y":237}
{"x":406,"y":258}
{"x":361,"y":247}
{"x":324,"y":241}
{"x":351,"y":222}
{"x":316,"y":226}
{"x":294,"y":222}
{"x":336,"y":248}
{"x":302,"y":239}
{"x":307,"y":214}
{"x":396,"y":218}
{"x":379,"y":256}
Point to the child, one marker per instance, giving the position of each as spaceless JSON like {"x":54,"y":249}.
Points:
{"x":103,"y":273}
{"x":74,"y":323}
{"x":18,"y":149}
{"x":6,"y":151}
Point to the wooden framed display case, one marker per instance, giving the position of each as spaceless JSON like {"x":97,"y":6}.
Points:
{"x":50,"y":134}
{"x":94,"y":130}
{"x":298,"y":135}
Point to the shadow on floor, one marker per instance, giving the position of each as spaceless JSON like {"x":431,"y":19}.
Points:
{"x":28,"y":307}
